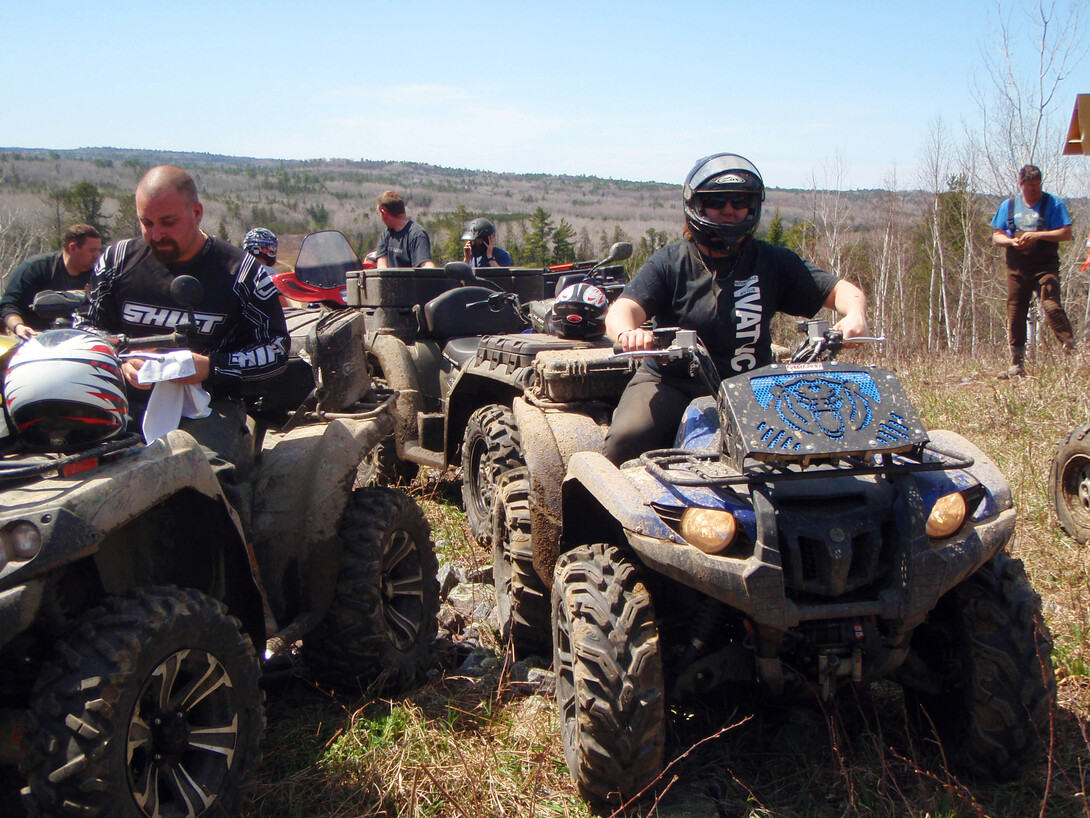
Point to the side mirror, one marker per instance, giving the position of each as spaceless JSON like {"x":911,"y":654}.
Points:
{"x":187,"y":291}
{"x":620,"y":251}
{"x":460,"y":272}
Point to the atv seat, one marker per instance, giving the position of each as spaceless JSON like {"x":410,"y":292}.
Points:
{"x":461,"y":350}
{"x":449,"y":316}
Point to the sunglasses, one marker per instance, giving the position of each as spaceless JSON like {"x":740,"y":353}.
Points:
{"x":717,"y":201}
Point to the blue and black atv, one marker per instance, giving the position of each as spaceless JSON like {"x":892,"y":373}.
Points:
{"x":806,"y":533}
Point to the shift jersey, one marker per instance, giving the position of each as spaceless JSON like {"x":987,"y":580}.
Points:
{"x":239,"y":321}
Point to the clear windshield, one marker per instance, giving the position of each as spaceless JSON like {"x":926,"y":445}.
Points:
{"x":324,"y":258}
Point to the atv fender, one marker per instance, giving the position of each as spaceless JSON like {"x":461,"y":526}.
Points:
{"x":156,"y":517}
{"x":300,"y":496}
{"x":549,"y":440}
{"x":983,"y":469}
{"x":399,"y":372}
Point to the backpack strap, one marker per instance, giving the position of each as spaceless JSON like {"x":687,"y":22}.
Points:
{"x":1010,"y":216}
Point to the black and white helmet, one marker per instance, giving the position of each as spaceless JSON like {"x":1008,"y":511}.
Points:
{"x":64,"y":390}
{"x":579,"y":311}
{"x":262,"y":243}
{"x":722,"y":174}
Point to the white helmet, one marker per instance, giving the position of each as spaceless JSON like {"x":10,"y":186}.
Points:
{"x":64,"y":390}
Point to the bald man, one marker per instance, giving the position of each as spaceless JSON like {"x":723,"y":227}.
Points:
{"x":241,"y":336}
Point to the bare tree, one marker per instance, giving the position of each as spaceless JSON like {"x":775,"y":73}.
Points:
{"x":1016,"y":104}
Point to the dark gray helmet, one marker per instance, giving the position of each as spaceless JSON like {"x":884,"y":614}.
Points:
{"x":478,"y":230}
{"x":723,"y":174}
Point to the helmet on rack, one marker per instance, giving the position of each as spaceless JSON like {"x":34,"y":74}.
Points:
{"x":722,"y":174}
{"x":261,"y":243}
{"x":478,"y":231}
{"x":579,"y":311}
{"x":64,"y":390}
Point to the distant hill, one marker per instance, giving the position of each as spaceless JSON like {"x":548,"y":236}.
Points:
{"x":299,"y":196}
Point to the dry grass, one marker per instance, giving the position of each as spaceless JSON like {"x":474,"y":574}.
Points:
{"x":482,"y":747}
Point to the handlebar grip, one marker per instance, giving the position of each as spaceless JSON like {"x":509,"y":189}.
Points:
{"x":618,"y":347}
{"x":174,"y":340}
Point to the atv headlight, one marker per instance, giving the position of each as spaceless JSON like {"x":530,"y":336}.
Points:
{"x":22,"y":541}
{"x":947,"y":516}
{"x":709,"y":530}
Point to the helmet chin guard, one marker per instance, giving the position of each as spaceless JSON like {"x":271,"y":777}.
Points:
{"x":730,"y":175}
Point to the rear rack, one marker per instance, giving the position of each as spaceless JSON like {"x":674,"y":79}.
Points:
{"x":681,"y":467}
{"x":21,"y":466}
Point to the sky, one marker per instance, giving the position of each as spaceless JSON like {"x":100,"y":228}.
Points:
{"x":826,"y":93}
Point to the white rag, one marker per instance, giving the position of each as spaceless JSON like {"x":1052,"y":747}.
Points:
{"x":169,"y":400}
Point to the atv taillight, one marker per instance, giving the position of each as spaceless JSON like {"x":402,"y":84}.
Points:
{"x":69,"y":469}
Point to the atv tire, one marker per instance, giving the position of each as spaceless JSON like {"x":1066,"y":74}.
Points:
{"x":990,"y":649}
{"x":490,"y":447}
{"x":609,"y":681}
{"x":1069,"y":484}
{"x":382,"y":622}
{"x":522,"y":600}
{"x":151,"y":708}
{"x":382,"y":467}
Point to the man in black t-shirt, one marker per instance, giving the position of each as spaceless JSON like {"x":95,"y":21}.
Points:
{"x":405,"y":243}
{"x":69,"y":269}
{"x":240,"y":336}
{"x":723,"y":283}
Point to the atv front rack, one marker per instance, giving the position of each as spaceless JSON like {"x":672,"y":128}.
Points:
{"x":681,"y":467}
{"x":22,"y":466}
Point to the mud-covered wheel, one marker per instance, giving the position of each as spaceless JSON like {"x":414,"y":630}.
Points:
{"x":152,"y":708}
{"x":522,"y":600}
{"x":609,"y":683}
{"x":988,"y":647}
{"x":1069,"y":484}
{"x":490,"y":447}
{"x":382,"y":622}
{"x":382,"y":467}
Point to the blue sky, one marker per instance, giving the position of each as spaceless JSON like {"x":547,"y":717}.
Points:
{"x":634,"y":90}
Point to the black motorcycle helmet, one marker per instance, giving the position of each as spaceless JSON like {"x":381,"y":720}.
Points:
{"x":725,"y":174}
{"x":478,"y":231}
{"x":579,"y":311}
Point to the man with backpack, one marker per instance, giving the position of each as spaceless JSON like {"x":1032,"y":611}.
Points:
{"x":1030,"y":226}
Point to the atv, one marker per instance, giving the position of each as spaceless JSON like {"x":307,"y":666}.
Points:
{"x":458,"y":345}
{"x":140,"y":601}
{"x":806,"y":533}
{"x":1069,"y":483}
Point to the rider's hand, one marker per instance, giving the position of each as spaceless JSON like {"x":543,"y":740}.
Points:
{"x":635,"y":340}
{"x":24,"y":332}
{"x":130,"y":367}
{"x":852,"y":325}
{"x":467,"y":252}
{"x":203,"y":366}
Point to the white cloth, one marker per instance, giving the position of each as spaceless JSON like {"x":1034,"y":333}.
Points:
{"x":169,"y":401}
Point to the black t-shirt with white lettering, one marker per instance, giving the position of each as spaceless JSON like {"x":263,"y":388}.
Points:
{"x":732,"y":309}
{"x":240,"y":323}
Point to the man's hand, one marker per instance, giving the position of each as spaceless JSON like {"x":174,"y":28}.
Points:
{"x":203,"y":367}
{"x":467,"y":252}
{"x":130,"y":367}
{"x":24,"y":332}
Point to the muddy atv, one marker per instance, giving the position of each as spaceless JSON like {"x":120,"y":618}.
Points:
{"x":459,"y":346}
{"x":805,"y":534}
{"x":1069,"y":484}
{"x":135,"y":613}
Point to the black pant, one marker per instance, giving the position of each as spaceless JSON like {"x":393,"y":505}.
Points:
{"x":648,"y":413}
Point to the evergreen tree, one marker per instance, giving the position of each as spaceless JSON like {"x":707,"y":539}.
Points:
{"x":536,"y":247}
{"x":84,"y":202}
{"x":563,"y":249}
{"x":776,"y":231}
